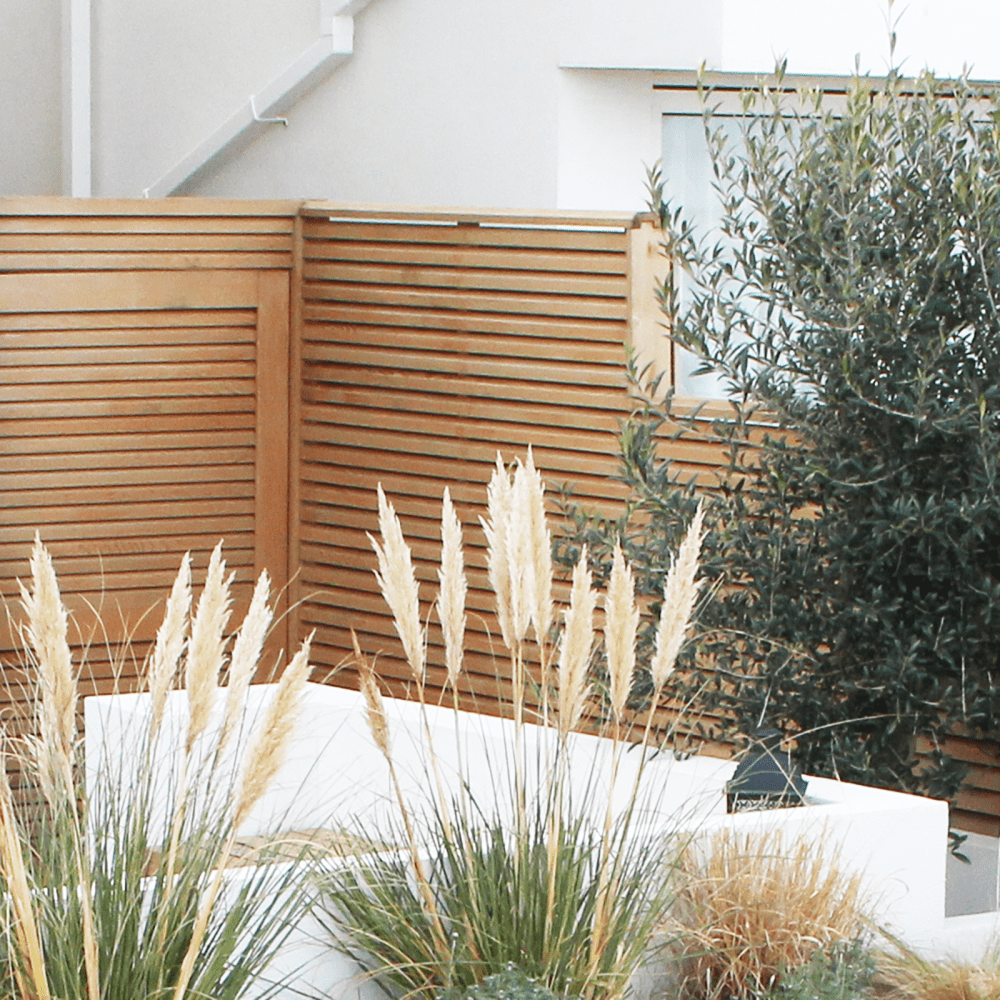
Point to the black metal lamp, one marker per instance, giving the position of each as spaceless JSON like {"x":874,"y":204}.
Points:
{"x":765,"y":778}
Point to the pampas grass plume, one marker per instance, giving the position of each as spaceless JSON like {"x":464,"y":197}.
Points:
{"x":453,"y":590}
{"x":679,"y":595}
{"x":246,"y":653}
{"x":577,"y":640}
{"x":398,"y":584}
{"x":206,"y":648}
{"x":620,"y":626}
{"x":540,"y":540}
{"x":496,"y":526}
{"x":269,"y":746}
{"x":169,"y":646}
{"x":46,"y":631}
{"x":377,"y":721}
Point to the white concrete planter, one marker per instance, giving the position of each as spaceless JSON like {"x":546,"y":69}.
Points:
{"x":335,"y":775}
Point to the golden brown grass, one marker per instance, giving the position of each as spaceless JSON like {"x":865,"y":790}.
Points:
{"x":903,"y":975}
{"x":751,"y":905}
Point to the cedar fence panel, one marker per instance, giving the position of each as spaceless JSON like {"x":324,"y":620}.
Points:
{"x":143,"y":411}
{"x":153,"y":401}
{"x":431,"y":342}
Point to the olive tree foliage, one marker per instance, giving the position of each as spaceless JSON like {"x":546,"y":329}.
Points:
{"x":852,"y":310}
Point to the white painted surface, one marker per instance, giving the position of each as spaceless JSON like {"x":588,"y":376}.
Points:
{"x":30,"y":98}
{"x":76,"y":82}
{"x":528,"y":103}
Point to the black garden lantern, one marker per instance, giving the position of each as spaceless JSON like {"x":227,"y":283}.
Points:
{"x":765,"y":778}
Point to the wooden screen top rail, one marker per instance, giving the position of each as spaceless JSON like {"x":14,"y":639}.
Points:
{"x":470,"y":216}
{"x":44,"y":205}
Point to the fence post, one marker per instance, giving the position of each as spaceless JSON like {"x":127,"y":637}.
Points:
{"x":648,"y":268}
{"x":271,"y":511}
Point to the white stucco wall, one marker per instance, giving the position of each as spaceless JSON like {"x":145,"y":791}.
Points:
{"x":167,"y":72}
{"x":30,"y":112}
{"x":444,"y":102}
{"x":525,"y":103}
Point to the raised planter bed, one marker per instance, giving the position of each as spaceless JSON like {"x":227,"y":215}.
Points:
{"x":336,"y":778}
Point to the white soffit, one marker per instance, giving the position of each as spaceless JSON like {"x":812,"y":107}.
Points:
{"x":266,"y":108}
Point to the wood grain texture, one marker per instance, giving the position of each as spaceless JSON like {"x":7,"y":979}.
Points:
{"x":426,"y":350}
{"x":137,"y":344}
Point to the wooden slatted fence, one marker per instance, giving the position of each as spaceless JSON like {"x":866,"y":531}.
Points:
{"x":430,"y":343}
{"x":145,"y":393}
{"x":143,"y":410}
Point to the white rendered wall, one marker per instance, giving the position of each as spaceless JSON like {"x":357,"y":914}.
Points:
{"x":30,"y":101}
{"x":168,"y":72}
{"x":335,"y":775}
{"x":444,"y":102}
{"x":611,"y":55}
{"x":526,"y":103}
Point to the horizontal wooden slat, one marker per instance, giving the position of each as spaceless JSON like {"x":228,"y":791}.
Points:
{"x":114,"y":356}
{"x":504,"y":365}
{"x":102,"y":244}
{"x":138,"y":373}
{"x":138,"y":322}
{"x":473,"y":217}
{"x":162,"y":413}
{"x":132,"y":261}
{"x":544,"y":259}
{"x":514,"y":390}
{"x":471,"y":279}
{"x":36,"y":460}
{"x":72,"y":209}
{"x":467,"y":345}
{"x":324,"y":400}
{"x":220,"y":521}
{"x":105,"y":291}
{"x":98,"y":391}
{"x":478,"y":301}
{"x":578,"y":328}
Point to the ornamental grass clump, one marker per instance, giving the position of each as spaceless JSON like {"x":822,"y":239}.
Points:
{"x":754,"y":906}
{"x":115,"y":885}
{"x":902,"y":974}
{"x":547,"y":871}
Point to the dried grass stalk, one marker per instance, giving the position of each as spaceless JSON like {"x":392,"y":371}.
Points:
{"x":679,"y":595}
{"x":46,"y":630}
{"x":453,"y":590}
{"x":206,"y":649}
{"x":170,"y":639}
{"x":903,"y":975}
{"x":620,"y":625}
{"x":751,"y":905}
{"x":496,"y":526}
{"x":15,"y":879}
{"x":398,"y":584}
{"x":246,"y":654}
{"x":577,"y":641}
{"x":540,"y":540}
{"x":269,"y":746}
{"x":377,"y":721}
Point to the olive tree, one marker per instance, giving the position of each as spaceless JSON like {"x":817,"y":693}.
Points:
{"x":850,"y":308}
